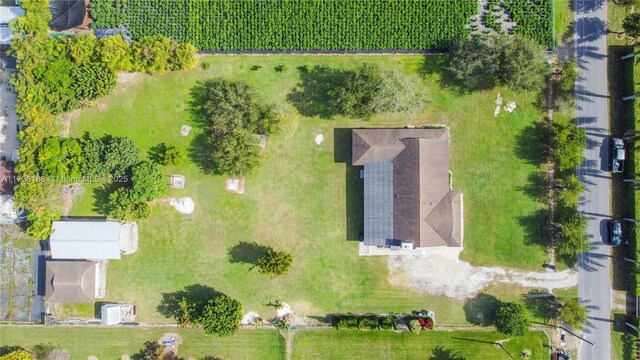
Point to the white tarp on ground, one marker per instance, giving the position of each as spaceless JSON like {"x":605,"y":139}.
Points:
{"x":184,"y":205}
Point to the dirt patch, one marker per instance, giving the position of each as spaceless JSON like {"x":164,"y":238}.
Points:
{"x":460,"y":280}
{"x":170,"y":343}
{"x":67,"y":194}
{"x":126,"y":79}
{"x":66,"y":120}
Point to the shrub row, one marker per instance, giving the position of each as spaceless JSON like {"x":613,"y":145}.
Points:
{"x":372,"y":322}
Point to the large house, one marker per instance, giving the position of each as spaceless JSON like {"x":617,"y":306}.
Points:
{"x":92,"y":240}
{"x":409,"y":205}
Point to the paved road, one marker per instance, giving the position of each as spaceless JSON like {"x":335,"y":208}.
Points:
{"x":594,"y":285}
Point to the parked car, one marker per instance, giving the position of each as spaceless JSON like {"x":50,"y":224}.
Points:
{"x":616,"y":155}
{"x":615,"y":233}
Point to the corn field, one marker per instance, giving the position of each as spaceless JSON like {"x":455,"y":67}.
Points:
{"x":221,"y":25}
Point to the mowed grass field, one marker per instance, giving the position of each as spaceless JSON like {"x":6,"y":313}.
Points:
{"x":307,"y":199}
{"x":111,"y":343}
{"x":432,"y":345}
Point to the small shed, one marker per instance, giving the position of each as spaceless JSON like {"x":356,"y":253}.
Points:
{"x":113,"y":314}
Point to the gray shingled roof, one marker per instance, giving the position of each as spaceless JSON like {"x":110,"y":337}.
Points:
{"x":425,"y":210}
{"x":70,"y":282}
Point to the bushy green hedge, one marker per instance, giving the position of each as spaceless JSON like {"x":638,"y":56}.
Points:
{"x":364,"y":322}
{"x":368,"y":322}
{"x":388,"y":323}
{"x":293,"y":24}
{"x":345,"y":322}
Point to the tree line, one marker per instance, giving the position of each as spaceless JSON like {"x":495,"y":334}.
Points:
{"x":56,"y":75}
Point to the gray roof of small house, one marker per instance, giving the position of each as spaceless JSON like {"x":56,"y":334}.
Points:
{"x":70,"y":281}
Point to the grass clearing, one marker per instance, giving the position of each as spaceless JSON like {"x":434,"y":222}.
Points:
{"x":111,"y":343}
{"x":350,"y":344}
{"x":307,"y":199}
{"x":562,"y":20}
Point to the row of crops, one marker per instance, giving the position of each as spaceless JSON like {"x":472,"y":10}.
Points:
{"x":318,"y":24}
{"x":293,"y":24}
{"x":533,"y":18}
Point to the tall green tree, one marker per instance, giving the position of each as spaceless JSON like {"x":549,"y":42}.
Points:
{"x":221,"y":316}
{"x":36,"y":17}
{"x":499,"y":59}
{"x":93,"y":81}
{"x":235,"y":153}
{"x":631,"y":25}
{"x":124,"y":206}
{"x":572,"y":236}
{"x":147,"y":182}
{"x":120,"y":155}
{"x":568,"y":142}
{"x":61,"y":158}
{"x":573,"y":313}
{"x":369,"y":90}
{"x":224,"y":106}
{"x":512,"y":319}
{"x":274,"y":262}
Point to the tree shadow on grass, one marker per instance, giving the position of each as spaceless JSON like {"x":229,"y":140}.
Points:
{"x":200,"y":153}
{"x":437,"y":65}
{"x":537,"y":187}
{"x":196,"y":294}
{"x":354,"y":185}
{"x":539,"y":307}
{"x":246,"y":252}
{"x":157,"y":152}
{"x":101,"y":197}
{"x":536,"y":227}
{"x":531,"y":143}
{"x":440,"y":353}
{"x":481,"y":310}
{"x":312,"y":96}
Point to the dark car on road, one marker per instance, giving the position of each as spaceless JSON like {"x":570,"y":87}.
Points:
{"x":615,"y":233}
{"x":616,"y":155}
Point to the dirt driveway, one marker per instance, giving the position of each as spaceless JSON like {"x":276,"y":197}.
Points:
{"x":457,"y":279}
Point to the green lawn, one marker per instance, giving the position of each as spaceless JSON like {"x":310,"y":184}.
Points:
{"x":432,"y":345}
{"x":111,"y":343}
{"x":562,"y":20}
{"x":307,"y":199}
{"x":616,"y":14}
